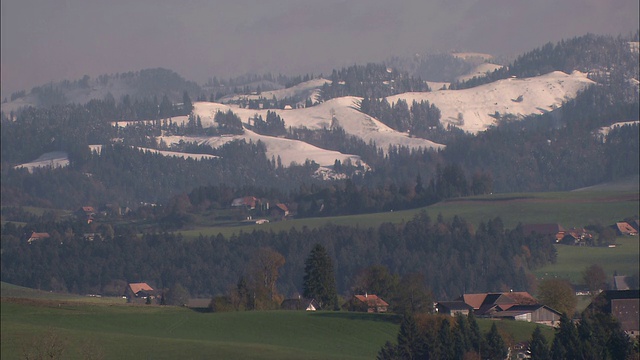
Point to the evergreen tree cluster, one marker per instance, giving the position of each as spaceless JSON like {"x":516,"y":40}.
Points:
{"x":273,"y":125}
{"x":436,"y":337}
{"x":451,"y":257}
{"x":372,"y":81}
{"x":421,"y":119}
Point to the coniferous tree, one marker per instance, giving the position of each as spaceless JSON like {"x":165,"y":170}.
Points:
{"x":566,"y":344}
{"x":496,"y":348}
{"x":409,"y":340}
{"x":538,"y":346}
{"x":319,"y":279}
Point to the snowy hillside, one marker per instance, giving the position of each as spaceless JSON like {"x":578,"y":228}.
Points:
{"x":304,"y":90}
{"x":474,"y":109}
{"x":605,"y":130}
{"x":479,"y":71}
{"x":289,"y":151}
{"x":53,"y":159}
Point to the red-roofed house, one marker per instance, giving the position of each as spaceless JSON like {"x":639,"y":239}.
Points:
{"x":623,"y":228}
{"x":139,"y":292}
{"x":366,"y":303}
{"x":485,"y":304}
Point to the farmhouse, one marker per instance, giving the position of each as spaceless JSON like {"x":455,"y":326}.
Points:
{"x":623,"y":228}
{"x":453,"y":308}
{"x":300,"y":304}
{"x":366,"y":303}
{"x":536,"y":313}
{"x":624,"y":305}
{"x":280,"y":210}
{"x":485,"y":304}
{"x":139,"y":292}
{"x":248,"y":201}
{"x":37,"y":236}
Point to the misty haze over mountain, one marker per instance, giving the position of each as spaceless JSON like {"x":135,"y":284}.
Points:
{"x":45,"y":41}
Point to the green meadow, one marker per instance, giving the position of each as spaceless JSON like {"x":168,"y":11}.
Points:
{"x":104,"y":330}
{"x":569,"y":209}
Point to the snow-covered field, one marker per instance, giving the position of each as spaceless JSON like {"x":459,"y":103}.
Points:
{"x":98,"y":149}
{"x":479,"y":71}
{"x":307,"y":89}
{"x":605,"y":130}
{"x":54,"y":159}
{"x":472,"y":109}
{"x":289,"y":151}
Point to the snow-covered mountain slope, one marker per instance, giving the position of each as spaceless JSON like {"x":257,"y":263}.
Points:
{"x":474,"y":109}
{"x":479,"y":71}
{"x":289,"y":151}
{"x":304,"y":90}
{"x":98,"y":149}
{"x":53,"y":159}
{"x":341,"y":111}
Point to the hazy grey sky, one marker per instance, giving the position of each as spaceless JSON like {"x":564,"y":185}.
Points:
{"x":52,"y":40}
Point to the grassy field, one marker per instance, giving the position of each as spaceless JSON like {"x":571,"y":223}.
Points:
{"x":125,"y":331}
{"x":570,"y":209}
{"x":121,"y":331}
{"x":573,"y":260}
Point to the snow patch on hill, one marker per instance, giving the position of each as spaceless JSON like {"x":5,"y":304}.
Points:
{"x":606,"y":129}
{"x":98,"y":149}
{"x":474,"y":109}
{"x":304,"y":90}
{"x":54,"y":159}
{"x":289,"y":151}
{"x":479,"y":71}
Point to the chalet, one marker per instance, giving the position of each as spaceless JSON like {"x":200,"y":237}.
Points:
{"x":537,"y":313}
{"x":139,"y":292}
{"x":86,"y":213}
{"x":300,"y":304}
{"x":366,"y":303}
{"x":453,"y":308}
{"x":624,"y":305}
{"x":37,"y":236}
{"x":623,"y":228}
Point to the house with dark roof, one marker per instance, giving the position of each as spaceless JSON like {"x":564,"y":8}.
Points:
{"x":624,"y":305}
{"x":485,"y":304}
{"x":536,"y":313}
{"x":366,"y":303}
{"x":453,"y":308}
{"x":300,"y":304}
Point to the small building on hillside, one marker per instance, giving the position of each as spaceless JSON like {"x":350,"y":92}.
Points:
{"x":35,"y":236}
{"x":366,"y":303}
{"x":623,"y":228}
{"x":248,"y":202}
{"x":300,"y":304}
{"x":624,"y":305}
{"x":453,"y":308}
{"x":139,"y":292}
{"x":538,"y":313}
{"x":280,"y":210}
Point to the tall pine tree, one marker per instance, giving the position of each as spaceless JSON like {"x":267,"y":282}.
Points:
{"x":319,"y":279}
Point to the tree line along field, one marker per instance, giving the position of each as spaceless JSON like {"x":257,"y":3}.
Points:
{"x":103,"y":330}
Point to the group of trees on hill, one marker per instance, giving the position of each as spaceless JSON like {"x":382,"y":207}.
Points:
{"x":371,"y":80}
{"x":420,"y":119}
{"x":452,"y":257}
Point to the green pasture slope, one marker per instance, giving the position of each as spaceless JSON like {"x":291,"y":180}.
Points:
{"x":570,"y":209}
{"x":127,"y":332}
{"x":117,"y":331}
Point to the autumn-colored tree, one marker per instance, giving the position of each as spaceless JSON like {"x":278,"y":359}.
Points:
{"x":263,"y":272}
{"x":595,"y":279}
{"x":558,"y":294}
